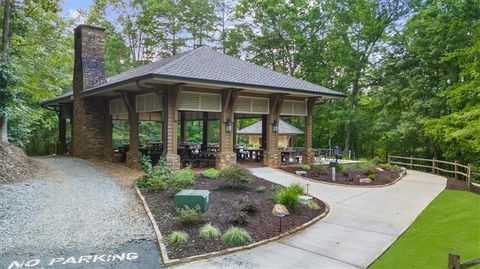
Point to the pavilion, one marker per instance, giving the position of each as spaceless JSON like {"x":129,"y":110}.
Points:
{"x":201,"y":84}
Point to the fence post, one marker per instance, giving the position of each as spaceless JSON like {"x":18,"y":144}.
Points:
{"x":433,"y":166}
{"x":453,"y":261}
{"x":456,"y":169}
{"x":388,"y":158}
{"x":469,"y":175}
{"x":411,"y":162}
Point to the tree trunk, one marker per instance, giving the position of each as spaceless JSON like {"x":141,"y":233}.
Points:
{"x":3,"y":129}
{"x":6,"y":30}
{"x":4,"y":57}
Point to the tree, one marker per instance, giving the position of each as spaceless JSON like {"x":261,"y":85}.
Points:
{"x":357,"y":36}
{"x":6,"y":77}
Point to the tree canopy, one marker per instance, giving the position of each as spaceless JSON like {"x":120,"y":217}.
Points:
{"x":410,"y":68}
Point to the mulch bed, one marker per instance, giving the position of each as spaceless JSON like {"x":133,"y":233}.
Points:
{"x":349,"y":177}
{"x":261,"y":225}
{"x":461,"y":185}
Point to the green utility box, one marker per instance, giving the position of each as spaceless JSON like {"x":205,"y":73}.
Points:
{"x":192,"y":198}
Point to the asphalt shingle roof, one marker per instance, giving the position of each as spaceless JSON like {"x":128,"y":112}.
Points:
{"x":207,"y":65}
{"x":283,"y":129}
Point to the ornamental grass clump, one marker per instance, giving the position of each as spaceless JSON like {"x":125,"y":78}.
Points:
{"x":297,"y":188}
{"x":211,"y":173}
{"x":236,"y":175}
{"x":209,"y":232}
{"x":319,"y":168}
{"x":192,"y":215}
{"x":236,"y":236}
{"x":306,"y":167}
{"x":178,"y":238}
{"x":181,"y":179}
{"x":312,"y":205}
{"x":288,"y":197}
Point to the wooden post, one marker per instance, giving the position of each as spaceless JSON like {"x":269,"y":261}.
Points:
{"x":469,"y":175}
{"x":388,"y":158}
{"x":411,"y":162}
{"x":205,"y":131}
{"x":456,"y":169}
{"x":453,"y":261}
{"x":433,"y":166}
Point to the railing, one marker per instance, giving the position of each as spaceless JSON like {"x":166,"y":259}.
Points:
{"x":454,"y":262}
{"x":436,"y":166}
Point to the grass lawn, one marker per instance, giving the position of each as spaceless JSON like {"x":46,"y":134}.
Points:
{"x":451,"y":223}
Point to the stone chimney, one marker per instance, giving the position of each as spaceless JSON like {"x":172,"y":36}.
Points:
{"x":92,"y":123}
{"x":89,"y":68}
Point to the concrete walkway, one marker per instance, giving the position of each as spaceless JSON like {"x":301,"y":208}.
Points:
{"x":362,"y":224}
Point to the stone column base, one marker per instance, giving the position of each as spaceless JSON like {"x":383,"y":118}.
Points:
{"x":272,"y":158}
{"x":133,"y":160}
{"x":225,"y":159}
{"x":173,"y":161}
{"x":308,"y":156}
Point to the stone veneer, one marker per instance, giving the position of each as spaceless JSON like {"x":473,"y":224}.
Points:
{"x":272,"y":158}
{"x":173,"y":161}
{"x":90,"y":114}
{"x":225,"y":159}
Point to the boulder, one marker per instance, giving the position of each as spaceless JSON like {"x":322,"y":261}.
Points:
{"x":365,"y":180}
{"x":280,"y":209}
{"x":301,"y":173}
{"x":304,"y":198}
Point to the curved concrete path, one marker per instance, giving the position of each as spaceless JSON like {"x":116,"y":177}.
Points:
{"x":362,"y":224}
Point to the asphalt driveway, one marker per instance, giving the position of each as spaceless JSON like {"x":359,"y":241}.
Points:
{"x":73,"y":215}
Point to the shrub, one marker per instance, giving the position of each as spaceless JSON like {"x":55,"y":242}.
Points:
{"x":157,"y":182}
{"x":296,"y":188}
{"x":146,"y":163}
{"x":209,"y":232}
{"x":355,"y":166}
{"x":376,"y":160}
{"x":191,"y":215}
{"x":181,"y":179}
{"x":305,"y":167}
{"x":319,"y":168}
{"x":260,"y":189}
{"x":237,"y":175}
{"x":247,"y":206}
{"x":287,"y":197}
{"x":211,"y":173}
{"x":236,"y":236}
{"x":312,"y":204}
{"x":239,"y":218}
{"x":178,"y":238}
{"x":386,"y":166}
{"x":371,"y":176}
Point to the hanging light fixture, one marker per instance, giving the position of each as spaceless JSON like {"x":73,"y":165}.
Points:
{"x":228,"y":126}
{"x":275,"y":126}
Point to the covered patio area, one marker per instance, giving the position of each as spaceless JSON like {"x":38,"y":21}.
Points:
{"x":199,"y":85}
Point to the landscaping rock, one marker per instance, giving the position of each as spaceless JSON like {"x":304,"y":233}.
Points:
{"x":301,"y":173}
{"x":304,"y":198}
{"x":278,"y":208}
{"x":365,"y":180}
{"x":379,"y":169}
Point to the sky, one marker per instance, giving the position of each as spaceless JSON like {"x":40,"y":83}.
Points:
{"x":70,"y":6}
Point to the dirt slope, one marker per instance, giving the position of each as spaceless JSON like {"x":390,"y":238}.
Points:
{"x":14,"y":163}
